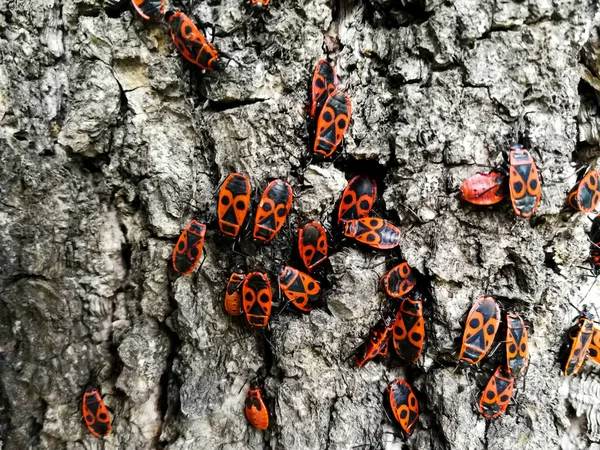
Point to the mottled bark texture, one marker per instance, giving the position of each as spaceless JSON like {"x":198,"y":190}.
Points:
{"x":107,"y":137}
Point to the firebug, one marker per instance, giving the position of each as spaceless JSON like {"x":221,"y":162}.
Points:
{"x":581,"y":338}
{"x":484,"y":188}
{"x":255,"y":408}
{"x":233,"y":296}
{"x":324,"y":83}
{"x":188,"y":249}
{"x":497,"y":394}
{"x":517,"y":345}
{"x":408,"y":333}
{"x":332,"y":123}
{"x":480,"y":330}
{"x":524,"y":182}
{"x":192,"y":43}
{"x":404,"y":404}
{"x":273,"y":209}
{"x":357,"y":199}
{"x":399,"y":281}
{"x":95,"y":413}
{"x":301,"y":289}
{"x":312,"y":244}
{"x":585,"y":195}
{"x":376,"y":342}
{"x":373,"y":231}
{"x":149,"y":9}
{"x":257,"y":298}
{"x":234,"y":199}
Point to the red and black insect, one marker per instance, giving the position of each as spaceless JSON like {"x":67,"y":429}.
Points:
{"x":233,"y":296}
{"x":357,"y":199}
{"x":594,"y":348}
{"x":257,"y":299}
{"x":301,"y":289}
{"x":581,"y":338}
{"x":524,"y":182}
{"x":273,"y":209}
{"x":332,"y":123}
{"x":408,"y":333}
{"x":95,"y":413}
{"x":192,"y":43}
{"x":517,"y":345}
{"x":260,"y":4}
{"x":497,"y":394}
{"x":484,"y":188}
{"x":404,"y":404}
{"x":480,"y":330}
{"x":149,"y":9}
{"x":255,"y":408}
{"x":312,"y":244}
{"x":324,"y":83}
{"x":373,"y":231}
{"x":234,"y":199}
{"x":376,"y":342}
{"x":188,"y":249}
{"x":585,"y":195}
{"x":399,"y":281}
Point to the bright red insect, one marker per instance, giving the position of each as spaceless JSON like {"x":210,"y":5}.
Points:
{"x":376,"y":342}
{"x":408,"y":333}
{"x":234,"y":200}
{"x":404,"y":404}
{"x":188,"y":249}
{"x":273,"y":209}
{"x":95,"y":413}
{"x":312,"y":244}
{"x":517,"y":345}
{"x":301,"y":289}
{"x":332,"y":123}
{"x":255,"y":408}
{"x":480,"y":330}
{"x":191,"y":43}
{"x":233,"y":295}
{"x":149,"y":9}
{"x":497,"y":394}
{"x":324,"y":82}
{"x":373,"y":231}
{"x":257,"y":299}
{"x":399,"y":281}
{"x":585,"y":195}
{"x":484,"y":188}
{"x":524,"y":182}
{"x":581,"y":338}
{"x":357,"y":199}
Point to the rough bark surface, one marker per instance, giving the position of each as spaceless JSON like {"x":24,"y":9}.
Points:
{"x":107,"y":137}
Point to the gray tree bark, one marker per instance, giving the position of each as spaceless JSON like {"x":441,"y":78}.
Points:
{"x":107,"y":136}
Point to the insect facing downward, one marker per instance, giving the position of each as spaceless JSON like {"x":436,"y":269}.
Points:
{"x":497,"y":394}
{"x":480,"y":330}
{"x":95,"y":413}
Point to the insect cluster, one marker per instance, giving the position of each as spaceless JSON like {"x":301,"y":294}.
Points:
{"x":402,"y":325}
{"x":480,"y":331}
